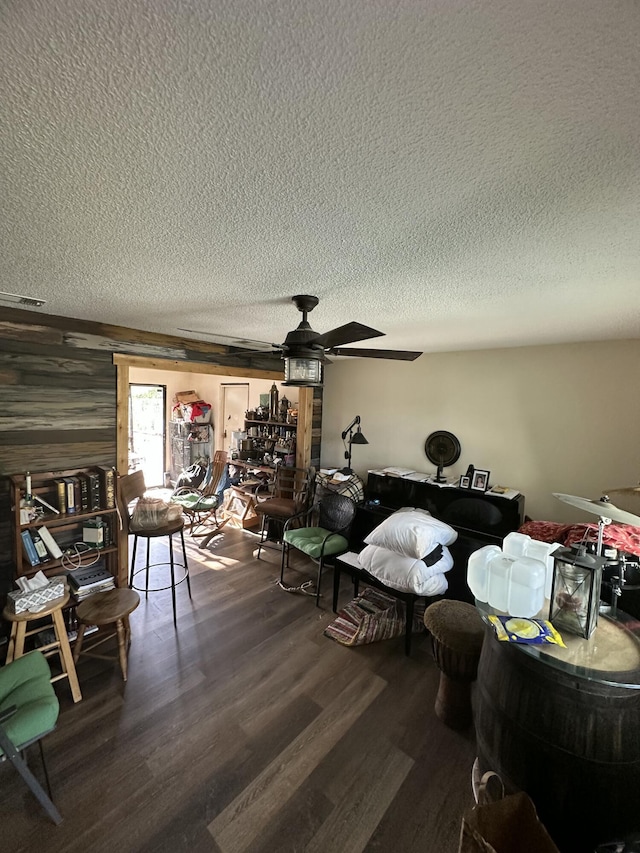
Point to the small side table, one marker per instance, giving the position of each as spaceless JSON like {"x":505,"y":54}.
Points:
{"x":60,"y":645}
{"x":104,"y":609}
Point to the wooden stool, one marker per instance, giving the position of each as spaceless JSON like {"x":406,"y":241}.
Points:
{"x":457,"y":632}
{"x":60,"y":645}
{"x":107,"y":608}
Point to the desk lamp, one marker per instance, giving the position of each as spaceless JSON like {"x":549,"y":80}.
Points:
{"x":354,"y":438}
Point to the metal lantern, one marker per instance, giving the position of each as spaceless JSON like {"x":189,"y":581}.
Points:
{"x":575,"y":590}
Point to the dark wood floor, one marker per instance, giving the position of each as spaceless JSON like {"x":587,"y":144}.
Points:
{"x":248,"y":730}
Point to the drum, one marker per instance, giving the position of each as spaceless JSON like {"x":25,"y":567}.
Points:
{"x":564,"y":726}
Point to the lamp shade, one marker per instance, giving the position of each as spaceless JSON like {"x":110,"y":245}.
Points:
{"x":358,"y":437}
{"x":302,"y":371}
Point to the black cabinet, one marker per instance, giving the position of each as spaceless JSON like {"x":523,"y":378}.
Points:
{"x":489,"y":516}
{"x":480,"y":518}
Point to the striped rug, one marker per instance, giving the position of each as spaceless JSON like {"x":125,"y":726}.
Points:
{"x":373,"y":616}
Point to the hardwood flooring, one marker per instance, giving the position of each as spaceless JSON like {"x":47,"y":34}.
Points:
{"x":248,"y":731}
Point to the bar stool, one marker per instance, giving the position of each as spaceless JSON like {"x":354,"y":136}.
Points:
{"x":104,"y":609}
{"x":58,"y":646}
{"x":132,"y":486}
{"x":457,"y":632}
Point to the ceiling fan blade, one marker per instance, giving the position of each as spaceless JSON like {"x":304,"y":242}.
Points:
{"x":347,"y":334}
{"x":396,"y":354}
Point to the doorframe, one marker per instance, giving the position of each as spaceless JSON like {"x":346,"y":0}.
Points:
{"x":123,"y":363}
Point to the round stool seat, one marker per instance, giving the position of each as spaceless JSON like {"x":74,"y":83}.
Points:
{"x":457,"y":633}
{"x":107,"y":608}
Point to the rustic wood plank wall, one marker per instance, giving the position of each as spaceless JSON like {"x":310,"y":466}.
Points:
{"x":58,"y":395}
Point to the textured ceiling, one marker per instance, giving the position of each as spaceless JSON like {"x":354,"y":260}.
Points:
{"x":455,"y":174}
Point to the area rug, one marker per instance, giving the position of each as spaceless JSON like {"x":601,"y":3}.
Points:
{"x":371,"y":617}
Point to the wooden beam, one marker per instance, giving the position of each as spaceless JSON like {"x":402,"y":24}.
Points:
{"x":122,"y":460}
{"x":247,"y":372}
{"x":303,"y":436}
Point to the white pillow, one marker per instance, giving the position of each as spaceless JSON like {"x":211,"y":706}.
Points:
{"x":412,"y":533}
{"x":406,"y":574}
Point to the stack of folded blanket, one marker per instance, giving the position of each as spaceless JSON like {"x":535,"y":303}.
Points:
{"x":408,"y":552}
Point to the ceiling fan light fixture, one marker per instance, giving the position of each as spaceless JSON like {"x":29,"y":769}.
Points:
{"x":302,"y":371}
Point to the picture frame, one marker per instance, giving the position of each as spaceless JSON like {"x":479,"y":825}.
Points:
{"x":465,"y":482}
{"x":480,"y":480}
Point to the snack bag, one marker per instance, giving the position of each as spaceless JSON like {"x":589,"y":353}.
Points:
{"x":514,"y":629}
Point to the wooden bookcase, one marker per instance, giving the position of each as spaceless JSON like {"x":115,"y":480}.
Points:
{"x":66,"y":528}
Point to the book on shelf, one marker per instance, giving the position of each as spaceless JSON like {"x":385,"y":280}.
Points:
{"x":89,"y":580}
{"x":61,"y":486}
{"x":85,"y":591}
{"x":84,"y":493}
{"x":29,"y":548}
{"x":70,"y":494}
{"x":90,"y":490}
{"x":41,"y":548}
{"x":52,"y":546}
{"x":84,"y":575}
{"x":107,"y":486}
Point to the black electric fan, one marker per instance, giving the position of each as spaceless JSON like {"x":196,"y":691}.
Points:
{"x":442,"y":449}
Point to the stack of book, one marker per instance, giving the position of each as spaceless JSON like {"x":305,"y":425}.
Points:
{"x":85,"y":581}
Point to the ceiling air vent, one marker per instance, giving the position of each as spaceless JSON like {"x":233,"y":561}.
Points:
{"x":29,"y":301}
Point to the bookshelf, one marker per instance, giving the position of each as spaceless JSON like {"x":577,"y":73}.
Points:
{"x":61,"y":525}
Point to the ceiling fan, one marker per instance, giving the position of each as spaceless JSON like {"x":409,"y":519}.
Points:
{"x":304,"y":350}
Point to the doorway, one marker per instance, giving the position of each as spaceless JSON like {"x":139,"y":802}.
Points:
{"x":147,"y":431}
{"x":235,"y":402}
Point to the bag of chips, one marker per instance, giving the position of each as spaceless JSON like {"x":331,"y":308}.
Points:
{"x":515,"y":629}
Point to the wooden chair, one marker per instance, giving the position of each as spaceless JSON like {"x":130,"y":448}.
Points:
{"x":291,"y":495}
{"x":200,"y":506}
{"x":323,"y":536}
{"x":28,"y":711}
{"x":130,"y":487}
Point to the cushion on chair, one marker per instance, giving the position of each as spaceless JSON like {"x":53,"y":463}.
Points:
{"x":281,"y":507}
{"x":194,"y":503}
{"x":25,"y":683}
{"x":310,"y":540}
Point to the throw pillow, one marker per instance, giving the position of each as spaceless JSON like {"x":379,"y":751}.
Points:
{"x":412,"y":533}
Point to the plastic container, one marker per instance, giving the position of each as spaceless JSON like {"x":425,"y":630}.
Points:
{"x":499,"y":570}
{"x":514,"y":545}
{"x":478,"y":570}
{"x":526,"y":587}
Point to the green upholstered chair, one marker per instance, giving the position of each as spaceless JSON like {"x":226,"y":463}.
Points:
{"x":28,"y":711}
{"x":323,"y":536}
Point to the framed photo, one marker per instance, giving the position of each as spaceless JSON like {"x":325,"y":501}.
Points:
{"x":480,"y":480}
{"x":465,"y":482}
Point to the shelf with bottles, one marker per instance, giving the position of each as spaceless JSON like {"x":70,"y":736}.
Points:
{"x":192,"y":432}
{"x":59,"y":514}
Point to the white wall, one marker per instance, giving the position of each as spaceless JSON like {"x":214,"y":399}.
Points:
{"x":562,"y":418}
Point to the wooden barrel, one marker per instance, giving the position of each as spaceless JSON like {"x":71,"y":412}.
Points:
{"x":567,"y":735}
